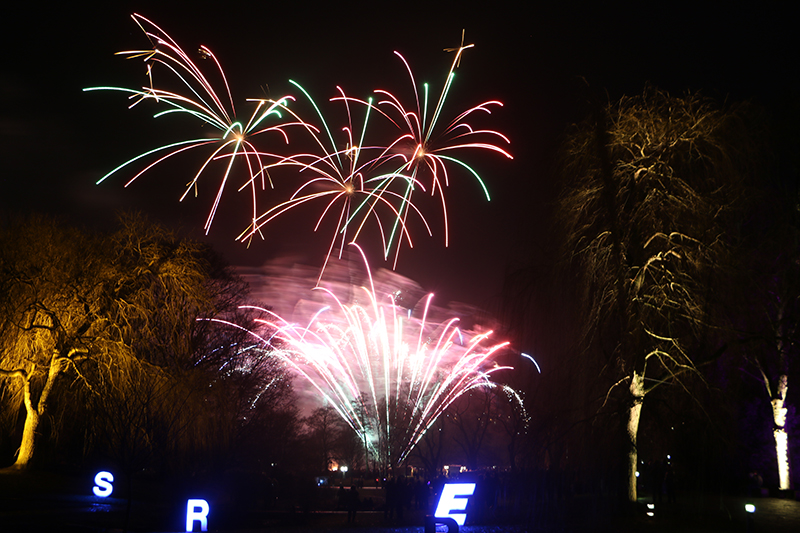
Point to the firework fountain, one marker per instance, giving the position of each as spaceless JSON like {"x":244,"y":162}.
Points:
{"x":388,"y":373}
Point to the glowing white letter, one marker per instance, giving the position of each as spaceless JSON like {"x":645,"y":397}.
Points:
{"x":197,"y":510}
{"x":102,"y":484}
{"x":450,"y":501}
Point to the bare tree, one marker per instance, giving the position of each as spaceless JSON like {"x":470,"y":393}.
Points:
{"x":472,"y":416}
{"x":773,"y":292}
{"x":324,"y":427}
{"x":651,"y":184}
{"x":430,"y":450}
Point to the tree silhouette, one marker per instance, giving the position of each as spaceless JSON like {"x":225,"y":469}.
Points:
{"x":324,"y":428}
{"x":771,"y":309}
{"x":651,"y":186}
{"x":472,"y":415}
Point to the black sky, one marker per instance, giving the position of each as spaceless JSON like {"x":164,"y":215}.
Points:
{"x":545,"y":64}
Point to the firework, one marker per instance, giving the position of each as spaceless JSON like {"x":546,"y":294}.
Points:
{"x":347,"y":181}
{"x":200,"y":100}
{"x":423,"y":148}
{"x":376,"y":181}
{"x":370,"y":178}
{"x":388,"y":374}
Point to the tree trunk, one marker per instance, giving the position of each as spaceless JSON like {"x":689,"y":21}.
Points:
{"x":634,"y":412}
{"x":779,"y":432}
{"x":33,"y":414}
{"x":32,"y":418}
{"x":28,"y":437}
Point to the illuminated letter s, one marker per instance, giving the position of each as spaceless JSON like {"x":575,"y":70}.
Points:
{"x":102,"y":484}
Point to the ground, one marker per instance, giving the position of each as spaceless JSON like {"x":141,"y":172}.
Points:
{"x":44,"y":502}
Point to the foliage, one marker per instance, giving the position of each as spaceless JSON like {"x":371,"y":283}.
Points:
{"x":108,"y":323}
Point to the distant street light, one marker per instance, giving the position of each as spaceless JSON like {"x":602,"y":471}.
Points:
{"x":751,"y":510}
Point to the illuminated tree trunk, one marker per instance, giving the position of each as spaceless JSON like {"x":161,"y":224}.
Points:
{"x":32,"y":418}
{"x":634,"y":413}
{"x":778,"y":401}
{"x":779,"y":408}
{"x":781,"y":437}
{"x":33,"y":413}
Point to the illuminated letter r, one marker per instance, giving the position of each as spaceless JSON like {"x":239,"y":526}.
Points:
{"x":197,"y":510}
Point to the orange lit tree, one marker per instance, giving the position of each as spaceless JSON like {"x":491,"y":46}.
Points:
{"x":102,"y":310}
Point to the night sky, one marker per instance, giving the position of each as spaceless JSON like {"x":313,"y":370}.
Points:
{"x":546,"y":65}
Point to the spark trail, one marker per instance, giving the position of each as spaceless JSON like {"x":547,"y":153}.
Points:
{"x":372,"y":178}
{"x":199,"y":99}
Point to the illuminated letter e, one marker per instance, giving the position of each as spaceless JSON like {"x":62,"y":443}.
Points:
{"x":449,"y":501}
